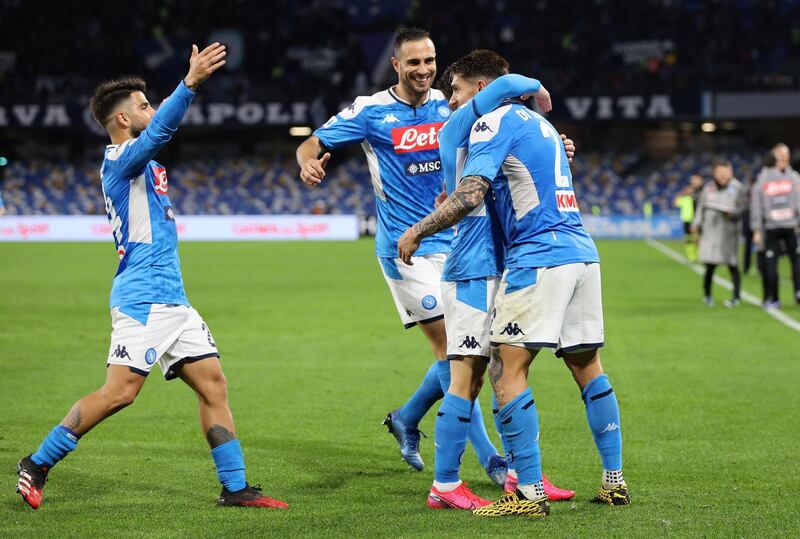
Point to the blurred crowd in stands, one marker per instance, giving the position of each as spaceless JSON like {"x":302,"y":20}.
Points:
{"x":605,"y":184}
{"x":299,"y":49}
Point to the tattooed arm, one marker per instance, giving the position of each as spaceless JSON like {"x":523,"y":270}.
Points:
{"x":461,"y":203}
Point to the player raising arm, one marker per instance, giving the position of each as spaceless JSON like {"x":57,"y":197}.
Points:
{"x":152,"y":320}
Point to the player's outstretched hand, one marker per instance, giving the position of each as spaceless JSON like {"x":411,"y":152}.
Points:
{"x":407,"y":245}
{"x":203,"y":64}
{"x":569,"y":146}
{"x":314,"y":170}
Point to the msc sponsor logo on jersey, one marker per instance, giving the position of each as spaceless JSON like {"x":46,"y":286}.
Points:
{"x":416,"y":138}
{"x":169,"y":213}
{"x":480,"y":127}
{"x":781,"y":187}
{"x":160,"y":174}
{"x":566,"y":201}
{"x":390,"y":119}
{"x":423,"y":167}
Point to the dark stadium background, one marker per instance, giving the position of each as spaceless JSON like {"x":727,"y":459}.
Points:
{"x":650,"y":90}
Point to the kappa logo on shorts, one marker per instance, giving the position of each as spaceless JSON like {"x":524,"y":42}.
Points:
{"x":512,"y":329}
{"x":429,"y":302}
{"x":150,"y":356}
{"x":121,"y":352}
{"x":470,"y":342}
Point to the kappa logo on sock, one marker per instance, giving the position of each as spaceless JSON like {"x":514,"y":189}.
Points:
{"x":609,"y":428}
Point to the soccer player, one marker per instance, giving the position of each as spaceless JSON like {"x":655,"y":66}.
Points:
{"x":717,"y":221}
{"x":151,"y":318}
{"x":398,"y":130}
{"x":476,"y":82}
{"x":549,"y":296}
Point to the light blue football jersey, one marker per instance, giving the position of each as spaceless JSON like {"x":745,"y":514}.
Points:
{"x":477,"y":249}
{"x":523,"y":156}
{"x":141,"y":215}
{"x":401,"y":143}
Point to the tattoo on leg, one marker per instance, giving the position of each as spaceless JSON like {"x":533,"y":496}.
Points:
{"x":495,"y":367}
{"x":73,"y":419}
{"x":218,"y":435}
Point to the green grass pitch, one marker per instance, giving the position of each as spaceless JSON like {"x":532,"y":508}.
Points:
{"x":315,"y":356}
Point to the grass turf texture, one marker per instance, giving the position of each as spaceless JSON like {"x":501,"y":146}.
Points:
{"x":315,"y":356}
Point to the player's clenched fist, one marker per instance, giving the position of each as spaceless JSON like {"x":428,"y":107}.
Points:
{"x":203,"y":64}
{"x":314,"y":170}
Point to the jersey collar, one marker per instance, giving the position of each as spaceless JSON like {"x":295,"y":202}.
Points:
{"x":403,"y":101}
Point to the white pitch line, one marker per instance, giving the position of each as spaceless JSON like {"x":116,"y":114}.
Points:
{"x":781,"y":317}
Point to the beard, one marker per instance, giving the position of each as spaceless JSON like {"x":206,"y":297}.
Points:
{"x":413,"y":88}
{"x":136,"y":129}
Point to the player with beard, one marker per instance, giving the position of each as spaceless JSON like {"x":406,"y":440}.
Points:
{"x":474,"y":83}
{"x":152,"y":320}
{"x":398,"y":131}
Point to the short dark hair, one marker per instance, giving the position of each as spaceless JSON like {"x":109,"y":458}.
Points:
{"x":409,"y":33}
{"x":721,"y":163}
{"x":480,"y":63}
{"x":444,"y":83}
{"x":770,"y":160}
{"x":110,"y":94}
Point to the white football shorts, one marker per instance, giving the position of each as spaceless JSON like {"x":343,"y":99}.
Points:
{"x":174,"y":335}
{"x":559,"y":307}
{"x":468,"y":309}
{"x":416,"y":289}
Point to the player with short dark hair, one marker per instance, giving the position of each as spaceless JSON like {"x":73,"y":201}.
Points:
{"x":398,"y":131}
{"x":152,"y":320}
{"x":476,"y":82}
{"x":549,"y":295}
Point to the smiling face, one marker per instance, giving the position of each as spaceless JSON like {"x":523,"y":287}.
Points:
{"x":415,"y":64}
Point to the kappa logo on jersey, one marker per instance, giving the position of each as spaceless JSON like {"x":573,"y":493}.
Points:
{"x":169,"y":213}
{"x":781,"y":187}
{"x":121,"y":352}
{"x":160,"y":174}
{"x":470,"y":342}
{"x":423,"y":167}
{"x":416,"y":138}
{"x":566,"y":201}
{"x":480,"y":127}
{"x":390,"y":119}
{"x":512,"y":329}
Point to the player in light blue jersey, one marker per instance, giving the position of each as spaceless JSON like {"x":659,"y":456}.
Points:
{"x":152,"y":321}
{"x":549,"y":296}
{"x":398,"y":129}
{"x":476,"y":82}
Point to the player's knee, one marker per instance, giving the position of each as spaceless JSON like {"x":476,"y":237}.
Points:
{"x":118,"y":398}
{"x":214,"y":389}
